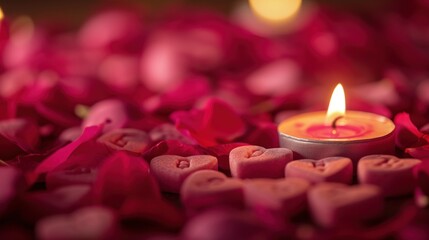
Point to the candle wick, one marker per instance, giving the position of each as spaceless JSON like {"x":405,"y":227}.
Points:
{"x":334,"y":123}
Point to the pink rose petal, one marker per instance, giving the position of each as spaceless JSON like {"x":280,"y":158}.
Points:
{"x":173,"y":147}
{"x":123,"y":176}
{"x":407,"y":135}
{"x":208,"y":126}
{"x":151,"y":210}
{"x":62,"y":156}
{"x":17,"y":136}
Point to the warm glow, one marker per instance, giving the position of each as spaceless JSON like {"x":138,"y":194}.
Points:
{"x":275,"y":10}
{"x":337,"y":105}
{"x":1,"y":14}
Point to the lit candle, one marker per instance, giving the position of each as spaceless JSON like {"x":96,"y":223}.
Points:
{"x":350,"y":134}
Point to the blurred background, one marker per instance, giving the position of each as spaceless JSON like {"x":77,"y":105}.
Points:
{"x":73,"y":13}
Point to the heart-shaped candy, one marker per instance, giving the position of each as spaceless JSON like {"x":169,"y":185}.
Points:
{"x":70,"y":176}
{"x":128,"y":139}
{"x":287,"y":196}
{"x":393,"y":175}
{"x":332,"y":169}
{"x":86,"y":223}
{"x":336,"y":204}
{"x":257,"y":162}
{"x":209,"y":188}
{"x":172,"y":170}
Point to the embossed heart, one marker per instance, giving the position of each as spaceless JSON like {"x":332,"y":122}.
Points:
{"x":393,"y":175}
{"x":258,"y":162}
{"x":129,"y":139}
{"x":336,"y":204}
{"x":332,"y":169}
{"x":286,"y":196}
{"x":70,"y":176}
{"x":208,"y":188}
{"x":86,"y":223}
{"x":172,"y":170}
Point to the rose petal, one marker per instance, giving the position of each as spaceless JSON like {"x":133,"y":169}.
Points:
{"x":151,"y":210}
{"x":17,"y":136}
{"x":421,"y":174}
{"x":123,"y":176}
{"x":221,"y":152}
{"x":173,"y":147}
{"x":407,"y":135}
{"x":208,"y":126}
{"x":62,"y":155}
{"x":419,"y":152}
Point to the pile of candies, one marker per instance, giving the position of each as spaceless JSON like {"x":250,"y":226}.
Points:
{"x":130,"y":128}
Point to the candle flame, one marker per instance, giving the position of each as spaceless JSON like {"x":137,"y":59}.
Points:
{"x":275,"y":10}
{"x":337,"y":105}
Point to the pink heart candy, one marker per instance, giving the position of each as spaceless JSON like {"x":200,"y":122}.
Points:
{"x":209,"y":188}
{"x":129,"y":139}
{"x":287,"y":196}
{"x":258,"y":162}
{"x":70,"y":176}
{"x":111,"y":112}
{"x":332,"y":169}
{"x":393,"y":175}
{"x":336,"y":204}
{"x":86,"y":223}
{"x":172,"y":170}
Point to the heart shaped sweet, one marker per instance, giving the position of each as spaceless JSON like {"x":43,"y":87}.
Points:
{"x":337,"y":204}
{"x":209,"y":188}
{"x":393,"y":175}
{"x":129,"y":139}
{"x":257,"y":162}
{"x":86,"y":223}
{"x":172,"y":170}
{"x":112,"y":113}
{"x":287,"y":196}
{"x":332,"y":169}
{"x":70,"y":176}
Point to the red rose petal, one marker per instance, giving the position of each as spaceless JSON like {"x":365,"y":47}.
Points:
{"x":222,"y":121}
{"x":152,"y":210}
{"x":216,"y":123}
{"x":421,"y":174}
{"x":36,"y":205}
{"x":123,"y":176}
{"x":221,"y":152}
{"x":407,"y":135}
{"x":17,"y":136}
{"x":173,"y":147}
{"x":419,"y":152}
{"x":62,"y":155}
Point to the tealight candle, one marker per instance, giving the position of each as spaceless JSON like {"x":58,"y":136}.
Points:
{"x":352,"y":134}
